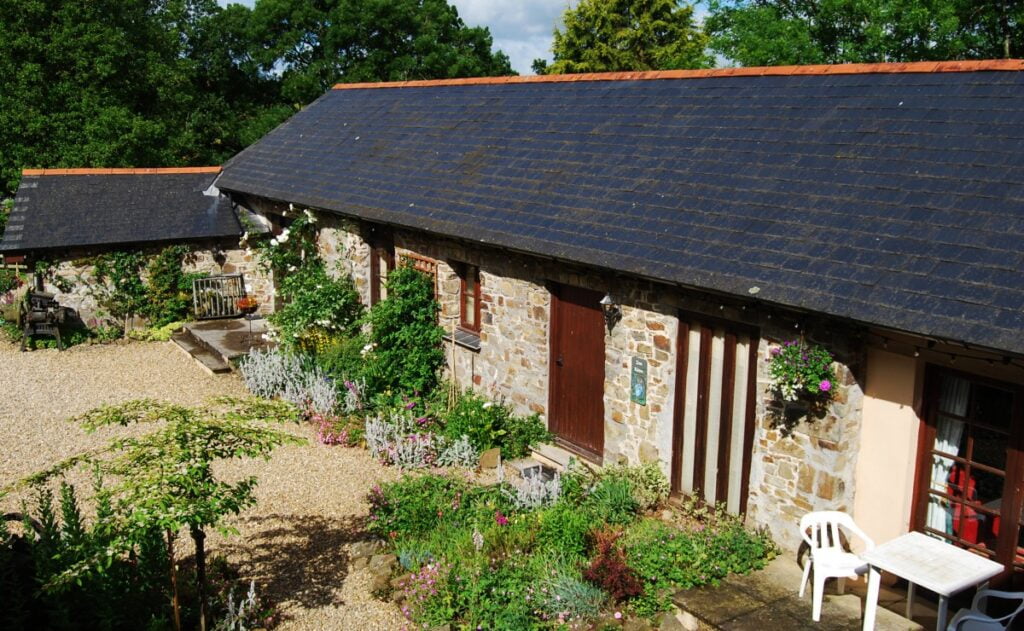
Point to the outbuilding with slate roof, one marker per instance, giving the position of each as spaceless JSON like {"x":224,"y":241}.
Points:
{"x":66,"y":217}
{"x":625,"y":253}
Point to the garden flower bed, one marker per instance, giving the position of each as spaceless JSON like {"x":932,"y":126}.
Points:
{"x":480,"y":557}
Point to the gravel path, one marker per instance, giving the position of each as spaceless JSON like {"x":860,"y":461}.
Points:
{"x":310,"y":497}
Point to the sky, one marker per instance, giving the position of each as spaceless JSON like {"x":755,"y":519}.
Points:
{"x":521,"y":28}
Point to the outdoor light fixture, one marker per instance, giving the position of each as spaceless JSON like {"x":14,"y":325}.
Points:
{"x":612,"y":311}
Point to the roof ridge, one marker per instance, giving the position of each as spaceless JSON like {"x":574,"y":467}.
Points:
{"x":125,"y":171}
{"x":757,"y":71}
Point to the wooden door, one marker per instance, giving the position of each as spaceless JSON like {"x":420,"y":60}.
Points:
{"x":713,"y":424}
{"x":577,"y":370}
{"x":970,"y":466}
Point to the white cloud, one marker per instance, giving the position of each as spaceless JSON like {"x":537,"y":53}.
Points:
{"x":523,"y":29}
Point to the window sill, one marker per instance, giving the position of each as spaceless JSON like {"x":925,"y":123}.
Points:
{"x":465,"y":339}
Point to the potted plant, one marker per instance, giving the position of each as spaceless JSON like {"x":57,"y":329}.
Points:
{"x":802,"y":375}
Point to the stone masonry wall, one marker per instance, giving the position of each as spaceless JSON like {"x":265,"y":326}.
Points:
{"x":794,"y":469}
{"x":75,"y":273}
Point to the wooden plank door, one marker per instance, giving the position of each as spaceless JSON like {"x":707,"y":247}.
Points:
{"x":577,"y":370}
{"x":714,"y":410}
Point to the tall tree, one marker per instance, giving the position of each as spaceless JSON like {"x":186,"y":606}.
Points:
{"x":127,"y":83}
{"x":317,"y":44}
{"x":780,"y":32}
{"x":620,"y":35}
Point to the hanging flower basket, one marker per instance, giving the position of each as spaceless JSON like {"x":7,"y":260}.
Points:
{"x":802,"y":372}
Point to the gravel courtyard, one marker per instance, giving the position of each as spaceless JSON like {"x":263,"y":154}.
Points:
{"x":293,"y":542}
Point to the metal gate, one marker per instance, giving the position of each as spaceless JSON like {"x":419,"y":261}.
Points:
{"x":216,"y":296}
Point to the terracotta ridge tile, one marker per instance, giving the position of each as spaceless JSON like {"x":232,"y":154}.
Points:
{"x":131,"y":171}
{"x":917,"y":67}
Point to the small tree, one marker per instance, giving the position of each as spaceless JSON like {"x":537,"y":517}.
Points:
{"x":405,"y":353}
{"x":165,"y":479}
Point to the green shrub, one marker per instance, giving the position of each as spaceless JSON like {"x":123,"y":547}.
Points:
{"x":120,"y":593}
{"x":650,"y":486}
{"x":318,"y":308}
{"x":406,"y":347}
{"x":342,"y":360}
{"x":412,"y":506}
{"x":564,"y":529}
{"x":566,"y":596}
{"x":168,"y":287}
{"x":612,"y":501}
{"x":668,"y":559}
{"x":489,"y":424}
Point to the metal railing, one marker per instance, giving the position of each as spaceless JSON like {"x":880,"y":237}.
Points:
{"x":216,"y":296}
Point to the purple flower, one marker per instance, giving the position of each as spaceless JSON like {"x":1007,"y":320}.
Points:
{"x":410,"y":405}
{"x":500,"y":519}
{"x":776,"y":350}
{"x":825,"y":385}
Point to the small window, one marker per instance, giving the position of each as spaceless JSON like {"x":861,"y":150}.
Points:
{"x":469,"y":299}
{"x":382,"y":261}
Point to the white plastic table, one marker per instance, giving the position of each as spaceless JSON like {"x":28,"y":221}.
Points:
{"x":929,"y":562}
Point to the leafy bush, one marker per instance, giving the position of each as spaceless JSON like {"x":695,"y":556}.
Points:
{"x":318,"y":308}
{"x":155,"y":334}
{"x":343,"y":359}
{"x":649,"y":485}
{"x":535,"y":492}
{"x":669,"y":559}
{"x":489,"y":424}
{"x":119,"y":593}
{"x":405,"y":339}
{"x":413,"y":506}
{"x":612,"y":501}
{"x":564,"y":528}
{"x":609,"y":569}
{"x":168,"y":287}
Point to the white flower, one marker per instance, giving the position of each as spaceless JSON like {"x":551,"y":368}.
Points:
{"x":291,"y":268}
{"x":488,"y":404}
{"x":282,"y":239}
{"x":310,"y":216}
{"x":245,"y":236}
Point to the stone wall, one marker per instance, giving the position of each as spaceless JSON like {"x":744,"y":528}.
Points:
{"x":74,"y":279}
{"x":805,"y":466}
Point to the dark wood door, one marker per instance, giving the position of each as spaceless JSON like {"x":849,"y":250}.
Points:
{"x":971,"y":467}
{"x":715,"y":403}
{"x":577,"y":369}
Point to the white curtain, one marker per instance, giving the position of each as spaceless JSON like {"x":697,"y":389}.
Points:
{"x":948,"y":432}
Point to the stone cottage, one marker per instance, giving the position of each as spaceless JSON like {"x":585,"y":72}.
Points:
{"x":66,"y":217}
{"x":621,"y":252}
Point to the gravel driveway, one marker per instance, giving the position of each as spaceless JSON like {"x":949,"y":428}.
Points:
{"x":293,"y":543}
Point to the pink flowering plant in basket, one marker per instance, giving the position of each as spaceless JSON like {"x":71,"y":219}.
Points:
{"x":800,"y":370}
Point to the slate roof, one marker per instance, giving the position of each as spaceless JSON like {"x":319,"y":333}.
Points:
{"x":64,"y":208}
{"x":889,"y":194}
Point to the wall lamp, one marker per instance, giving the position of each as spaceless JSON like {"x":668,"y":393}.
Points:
{"x":612,"y":311}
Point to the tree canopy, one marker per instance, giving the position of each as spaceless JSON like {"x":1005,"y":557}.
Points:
{"x":622,"y":35}
{"x":142,"y":83}
{"x":782,"y":32}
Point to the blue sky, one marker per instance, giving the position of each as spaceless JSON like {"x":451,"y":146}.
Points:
{"x":521,"y":28}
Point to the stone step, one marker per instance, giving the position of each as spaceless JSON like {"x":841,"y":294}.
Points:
{"x":526,"y":467}
{"x":553,"y":456}
{"x":211,"y":362}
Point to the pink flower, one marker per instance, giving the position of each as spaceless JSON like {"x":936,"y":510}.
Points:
{"x":500,"y":519}
{"x":776,"y":350}
{"x":825,"y":385}
{"x":618,"y":615}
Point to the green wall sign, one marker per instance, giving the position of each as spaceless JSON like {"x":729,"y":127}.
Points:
{"x":638,"y":382}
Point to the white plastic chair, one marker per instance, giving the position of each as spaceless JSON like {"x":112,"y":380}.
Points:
{"x":974,"y":619}
{"x":821,"y":531}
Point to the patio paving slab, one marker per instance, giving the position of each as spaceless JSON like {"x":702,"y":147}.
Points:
{"x":768,"y":599}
